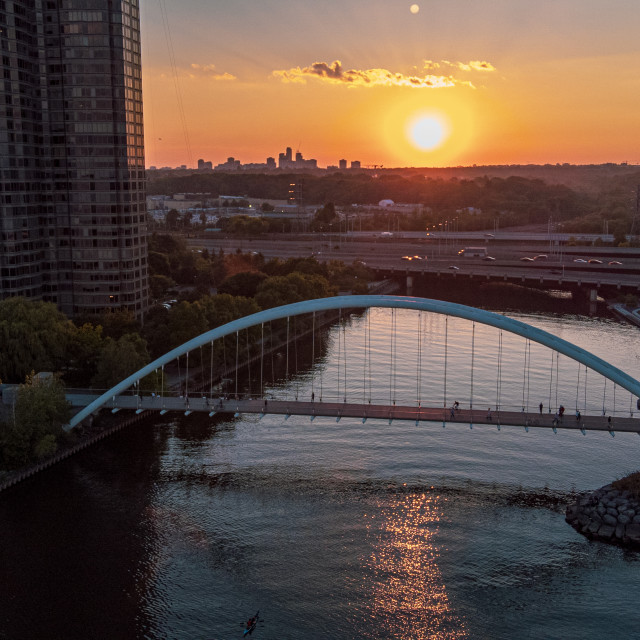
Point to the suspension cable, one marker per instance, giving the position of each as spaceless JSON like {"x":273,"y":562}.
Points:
{"x":364,"y":363}
{"x":446,"y":342}
{"x":419,"y":364}
{"x":313,"y":354}
{"x":211,"y":372}
{"x":261,"y":359}
{"x":392,"y":381}
{"x":344,"y":345}
{"x":186,"y":381}
{"x":499,"y":376}
{"x":248,"y":361}
{"x":237,"y":359}
{"x":528,"y":375}
{"x":524,"y":374}
{"x":369,"y":350}
{"x":578,"y":385}
{"x":550,"y":381}
{"x":272,"y":350}
{"x":201,"y":365}
{"x":604,"y":397}
{"x":473,"y":351}
{"x":557,"y":376}
{"x":286,"y":376}
{"x":295,"y":355}
{"x":224,"y":353}
{"x":586,"y":371}
{"x":339,"y":351}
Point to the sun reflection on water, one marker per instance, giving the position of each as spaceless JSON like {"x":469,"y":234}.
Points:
{"x":409,"y":595}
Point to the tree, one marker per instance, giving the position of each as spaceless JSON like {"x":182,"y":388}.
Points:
{"x":41,"y":410}
{"x":242,"y":284}
{"x":118,"y":323}
{"x":34,"y":336}
{"x":324,"y":217}
{"x":159,"y":285}
{"x":172,"y":219}
{"x":295,"y":287}
{"x":159,"y":264}
{"x":119,"y":359}
{"x":84,"y":352}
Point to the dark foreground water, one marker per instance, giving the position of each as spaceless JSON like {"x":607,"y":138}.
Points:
{"x":184,"y":528}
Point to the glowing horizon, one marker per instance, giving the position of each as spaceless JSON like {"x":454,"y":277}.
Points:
{"x":345,"y":82}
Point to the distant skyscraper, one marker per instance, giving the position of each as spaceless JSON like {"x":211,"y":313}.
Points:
{"x":72,"y":190}
{"x":342,"y":164}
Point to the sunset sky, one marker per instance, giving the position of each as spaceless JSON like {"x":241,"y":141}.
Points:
{"x":393,"y":83}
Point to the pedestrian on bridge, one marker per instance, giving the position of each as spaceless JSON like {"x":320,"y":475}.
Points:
{"x":541,"y":407}
{"x":489,"y":413}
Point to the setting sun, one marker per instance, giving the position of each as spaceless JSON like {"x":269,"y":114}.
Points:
{"x":427,"y":132}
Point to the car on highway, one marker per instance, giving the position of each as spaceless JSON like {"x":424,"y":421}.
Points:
{"x":453,"y":266}
{"x":595,"y":261}
{"x":580,"y":260}
{"x":409,"y":258}
{"x":490,"y":258}
{"x":526,"y":259}
{"x":615,"y":262}
{"x":542,"y":256}
{"x":417,"y":257}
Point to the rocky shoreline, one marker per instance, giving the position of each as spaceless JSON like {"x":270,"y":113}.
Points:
{"x":608,"y":515}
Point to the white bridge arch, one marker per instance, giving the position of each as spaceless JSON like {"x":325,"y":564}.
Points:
{"x":481,"y":316}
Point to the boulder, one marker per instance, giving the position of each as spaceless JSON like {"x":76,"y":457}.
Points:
{"x":622,"y":519}
{"x":607,"y":518}
{"x":633,"y":533}
{"x":594,"y":527}
{"x":606,"y":531}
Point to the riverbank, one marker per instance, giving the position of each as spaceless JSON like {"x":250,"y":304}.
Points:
{"x":609,"y":515}
{"x":623,"y":312}
{"x":81,"y":439}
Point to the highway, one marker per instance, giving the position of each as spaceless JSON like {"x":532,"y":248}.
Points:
{"x":440,"y":255}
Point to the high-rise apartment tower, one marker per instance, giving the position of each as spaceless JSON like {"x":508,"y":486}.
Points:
{"x":72,"y":184}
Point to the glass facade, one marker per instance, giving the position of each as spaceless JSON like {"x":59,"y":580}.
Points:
{"x":72,"y":182}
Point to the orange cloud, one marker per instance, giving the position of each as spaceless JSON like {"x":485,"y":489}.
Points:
{"x":208,"y":70}
{"x":334,"y":73}
{"x":473,"y":65}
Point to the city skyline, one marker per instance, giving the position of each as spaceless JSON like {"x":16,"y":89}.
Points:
{"x":393,"y":84}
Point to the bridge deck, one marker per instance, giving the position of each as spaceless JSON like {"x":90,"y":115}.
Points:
{"x":340,"y":410}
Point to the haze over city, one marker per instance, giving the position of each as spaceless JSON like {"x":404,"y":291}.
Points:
{"x":391,"y":83}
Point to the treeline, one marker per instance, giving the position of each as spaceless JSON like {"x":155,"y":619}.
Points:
{"x":519,"y":200}
{"x":99,"y":352}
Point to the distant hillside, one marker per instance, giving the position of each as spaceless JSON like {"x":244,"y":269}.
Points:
{"x":587,"y":178}
{"x":590,"y":177}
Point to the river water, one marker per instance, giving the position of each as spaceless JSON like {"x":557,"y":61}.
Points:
{"x":183,"y":527}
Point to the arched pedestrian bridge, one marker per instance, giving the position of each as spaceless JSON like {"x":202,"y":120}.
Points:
{"x":353,"y":396}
